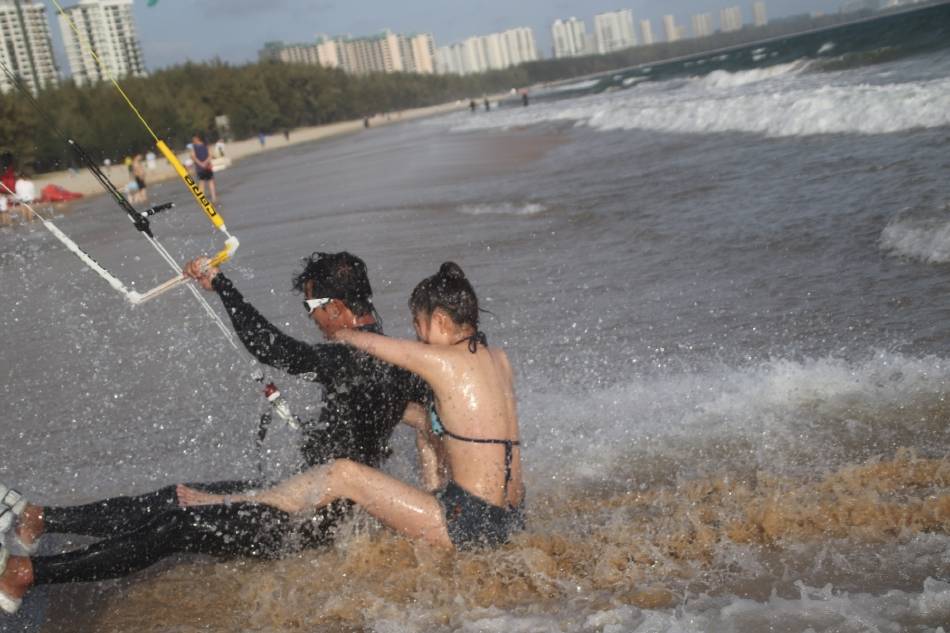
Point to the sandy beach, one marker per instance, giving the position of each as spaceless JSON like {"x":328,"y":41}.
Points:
{"x":82,"y":181}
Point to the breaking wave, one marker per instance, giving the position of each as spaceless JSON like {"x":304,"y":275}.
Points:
{"x":775,"y":102}
{"x":923,"y":239}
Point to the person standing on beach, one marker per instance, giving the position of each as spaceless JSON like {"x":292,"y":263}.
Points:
{"x":7,"y":166}
{"x":487,"y":105}
{"x":138,"y":173}
{"x":204,"y":169}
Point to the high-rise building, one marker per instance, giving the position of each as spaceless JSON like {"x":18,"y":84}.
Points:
{"x":107,"y":27}
{"x":760,"y":18}
{"x":327,"y":52}
{"x":290,"y":53}
{"x":730,"y":19}
{"x":383,"y":53}
{"x":488,"y":52}
{"x":669,"y":26}
{"x":646,"y":32}
{"x":570,"y":38}
{"x":702,"y":25}
{"x":418,"y":53}
{"x":614,"y":31}
{"x":376,"y":54}
{"x":25,"y":47}
{"x":521,"y":46}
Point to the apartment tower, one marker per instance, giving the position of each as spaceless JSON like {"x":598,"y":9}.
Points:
{"x":730,"y":19}
{"x":646,"y":32}
{"x":570,"y":38}
{"x":702,"y":25}
{"x":669,"y":26}
{"x":107,"y":27}
{"x":614,"y":31}
{"x":25,"y":47}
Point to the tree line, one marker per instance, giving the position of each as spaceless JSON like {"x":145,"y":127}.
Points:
{"x":179,"y":101}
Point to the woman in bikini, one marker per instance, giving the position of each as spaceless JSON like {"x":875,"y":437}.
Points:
{"x":472,"y":424}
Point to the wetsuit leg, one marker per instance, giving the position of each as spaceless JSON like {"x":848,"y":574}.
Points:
{"x":118,"y":515}
{"x":240,"y":529}
{"x":222,"y":530}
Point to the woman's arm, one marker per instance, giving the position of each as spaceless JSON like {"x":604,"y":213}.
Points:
{"x":431,"y":466}
{"x":431,"y":462}
{"x":419,"y":358}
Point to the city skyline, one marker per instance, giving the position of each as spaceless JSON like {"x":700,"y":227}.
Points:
{"x":236,"y":30}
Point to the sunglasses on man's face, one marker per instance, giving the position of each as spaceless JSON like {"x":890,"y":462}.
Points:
{"x":312,"y":304}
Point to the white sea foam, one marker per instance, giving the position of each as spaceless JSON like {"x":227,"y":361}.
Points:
{"x":814,"y":609}
{"x":924,"y":240}
{"x":784,"y":413}
{"x":777,"y":102}
{"x":503,"y":208}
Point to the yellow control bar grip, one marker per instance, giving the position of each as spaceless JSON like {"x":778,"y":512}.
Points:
{"x":230,"y":246}
{"x":203,"y":201}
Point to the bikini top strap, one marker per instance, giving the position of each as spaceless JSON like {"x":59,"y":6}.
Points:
{"x":475,"y":339}
{"x":509,"y":450}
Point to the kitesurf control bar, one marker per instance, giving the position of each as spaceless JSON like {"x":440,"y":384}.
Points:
{"x":158,"y":208}
{"x":174,"y":282}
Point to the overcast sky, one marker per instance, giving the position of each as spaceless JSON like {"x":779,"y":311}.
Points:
{"x":175,"y":31}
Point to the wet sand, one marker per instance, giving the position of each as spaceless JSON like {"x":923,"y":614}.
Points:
{"x":83,"y":182}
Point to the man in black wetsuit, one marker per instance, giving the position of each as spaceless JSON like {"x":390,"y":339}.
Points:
{"x":364,"y":400}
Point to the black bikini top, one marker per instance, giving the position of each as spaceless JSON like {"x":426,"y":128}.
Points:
{"x":439,"y":430}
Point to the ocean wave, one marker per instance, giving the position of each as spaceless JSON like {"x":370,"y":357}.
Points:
{"x":785,"y":104}
{"x":726,"y":79}
{"x":923,"y":239}
{"x":503,"y":208}
{"x":783,"y":415}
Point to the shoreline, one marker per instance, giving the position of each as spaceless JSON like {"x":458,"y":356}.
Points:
{"x":83,"y":182}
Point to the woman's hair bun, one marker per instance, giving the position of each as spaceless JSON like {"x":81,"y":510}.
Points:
{"x":451,"y":270}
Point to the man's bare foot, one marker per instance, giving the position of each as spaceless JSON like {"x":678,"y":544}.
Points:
{"x":30,"y":526}
{"x":17,"y":577}
{"x":191,"y":497}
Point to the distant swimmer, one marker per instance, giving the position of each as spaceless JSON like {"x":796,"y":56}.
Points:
{"x":204,"y":168}
{"x":524,"y":98}
{"x":363,"y":401}
{"x":473,"y":490}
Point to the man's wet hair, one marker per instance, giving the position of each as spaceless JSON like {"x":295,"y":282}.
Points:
{"x":338,"y":276}
{"x":449,"y":290}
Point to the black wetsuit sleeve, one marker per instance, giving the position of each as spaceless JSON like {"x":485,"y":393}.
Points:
{"x":417,"y":389}
{"x":271,"y":346}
